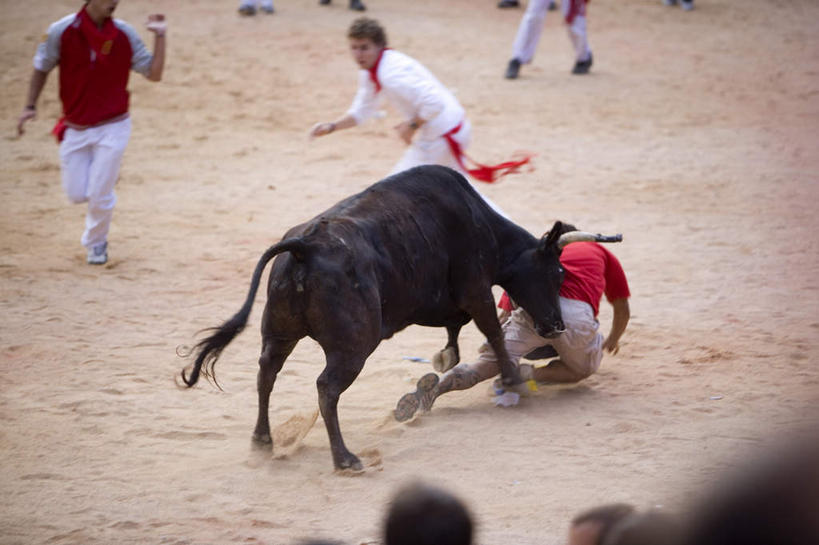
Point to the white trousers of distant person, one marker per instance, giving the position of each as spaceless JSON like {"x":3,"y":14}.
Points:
{"x":580,"y":347}
{"x":436,"y":151}
{"x":91,"y":159}
{"x":266,"y":4}
{"x":531,"y":27}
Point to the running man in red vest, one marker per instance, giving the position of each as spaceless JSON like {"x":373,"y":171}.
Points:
{"x":591,"y":271}
{"x":95,"y":54}
{"x":435,"y":126}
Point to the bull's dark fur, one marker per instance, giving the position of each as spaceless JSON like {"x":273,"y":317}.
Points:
{"x":420,"y":247}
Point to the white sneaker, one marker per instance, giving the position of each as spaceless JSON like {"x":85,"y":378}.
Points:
{"x":98,"y":255}
{"x":687,"y":5}
{"x":267,"y":7}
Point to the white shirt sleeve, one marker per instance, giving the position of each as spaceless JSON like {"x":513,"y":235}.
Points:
{"x":141,"y":58}
{"x":48,"y":51}
{"x":365,"y":103}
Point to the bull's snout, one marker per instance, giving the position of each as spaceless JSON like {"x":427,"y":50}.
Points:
{"x":550,"y":331}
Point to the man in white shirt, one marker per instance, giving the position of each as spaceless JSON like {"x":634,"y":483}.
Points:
{"x":434,"y":123}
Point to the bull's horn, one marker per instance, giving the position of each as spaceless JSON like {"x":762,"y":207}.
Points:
{"x":582,"y":236}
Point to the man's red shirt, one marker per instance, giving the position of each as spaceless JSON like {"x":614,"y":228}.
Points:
{"x":591,"y":271}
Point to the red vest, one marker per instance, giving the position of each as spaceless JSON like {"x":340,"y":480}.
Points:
{"x":93,"y":86}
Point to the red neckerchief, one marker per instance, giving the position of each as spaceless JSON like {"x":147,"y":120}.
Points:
{"x":484,"y":173}
{"x":100,"y":40}
{"x":374,"y":70}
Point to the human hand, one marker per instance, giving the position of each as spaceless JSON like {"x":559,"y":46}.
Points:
{"x":28,"y":113}
{"x":405,"y":131}
{"x":320,"y":129}
{"x":156,"y":24}
{"x":612,"y":346}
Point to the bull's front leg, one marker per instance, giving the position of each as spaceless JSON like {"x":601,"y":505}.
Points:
{"x":274,"y":352}
{"x":487,"y":322}
{"x":510,"y":375}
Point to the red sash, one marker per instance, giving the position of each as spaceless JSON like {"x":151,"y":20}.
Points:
{"x":484,"y":173}
{"x":59,"y":129}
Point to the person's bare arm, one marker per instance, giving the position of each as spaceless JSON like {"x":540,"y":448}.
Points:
{"x":406,"y":129}
{"x":619,"y":321}
{"x":321,"y":129}
{"x":157,"y":25}
{"x":35,"y":87}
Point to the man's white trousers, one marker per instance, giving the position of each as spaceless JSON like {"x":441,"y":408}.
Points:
{"x":91,"y":160}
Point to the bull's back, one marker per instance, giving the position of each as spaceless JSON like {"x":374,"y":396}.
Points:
{"x":399,"y":248}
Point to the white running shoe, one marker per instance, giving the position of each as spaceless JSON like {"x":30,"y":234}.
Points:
{"x":98,"y":255}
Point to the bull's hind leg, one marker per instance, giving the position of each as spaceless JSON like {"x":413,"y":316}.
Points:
{"x":341,"y":370}
{"x":274,"y":352}
{"x":450,"y":356}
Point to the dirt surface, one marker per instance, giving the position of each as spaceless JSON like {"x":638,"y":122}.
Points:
{"x":695,"y":136}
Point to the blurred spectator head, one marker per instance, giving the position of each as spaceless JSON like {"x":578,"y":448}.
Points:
{"x":426,"y":515}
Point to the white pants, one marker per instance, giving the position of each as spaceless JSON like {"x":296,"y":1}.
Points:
{"x":580,"y":347}
{"x":531,"y":27}
{"x":91,"y":159}
{"x":436,"y":151}
{"x":253,"y":3}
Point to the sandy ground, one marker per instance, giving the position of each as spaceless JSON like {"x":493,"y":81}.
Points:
{"x":695,"y":136}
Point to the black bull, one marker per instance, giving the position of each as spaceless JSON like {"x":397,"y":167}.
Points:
{"x":420,"y":247}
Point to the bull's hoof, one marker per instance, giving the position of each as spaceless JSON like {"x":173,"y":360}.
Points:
{"x":349,"y":463}
{"x":262,"y":440}
{"x":445,"y":360}
{"x":512,"y":379}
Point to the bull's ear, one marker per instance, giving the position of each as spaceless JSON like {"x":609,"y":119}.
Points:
{"x":550,"y":239}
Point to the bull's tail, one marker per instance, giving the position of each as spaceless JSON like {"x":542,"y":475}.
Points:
{"x":208,"y":350}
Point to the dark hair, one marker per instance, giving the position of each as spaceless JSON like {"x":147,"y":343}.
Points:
{"x":606,"y":515}
{"x":365,"y":28}
{"x":773,"y":499}
{"x":651,"y":528}
{"x":424,"y":515}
